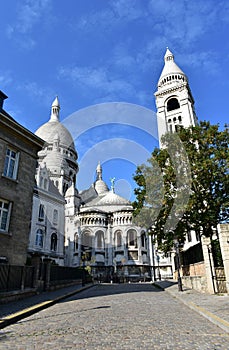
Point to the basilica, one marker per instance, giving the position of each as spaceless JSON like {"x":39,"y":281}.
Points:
{"x":94,"y":228}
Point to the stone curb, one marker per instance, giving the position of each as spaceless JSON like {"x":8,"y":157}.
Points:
{"x":200,"y":310}
{"x":13,"y":318}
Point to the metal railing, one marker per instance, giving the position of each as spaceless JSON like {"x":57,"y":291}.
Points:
{"x":14,"y":277}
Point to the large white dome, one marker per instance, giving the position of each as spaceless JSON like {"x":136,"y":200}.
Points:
{"x":53,"y":129}
{"x":49,"y":130}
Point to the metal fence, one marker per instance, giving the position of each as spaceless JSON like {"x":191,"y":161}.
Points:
{"x":192,"y":255}
{"x":13,"y":277}
{"x":18,"y":278}
{"x":63,"y":273}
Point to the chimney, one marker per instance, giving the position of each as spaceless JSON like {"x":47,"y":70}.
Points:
{"x":2,"y":98}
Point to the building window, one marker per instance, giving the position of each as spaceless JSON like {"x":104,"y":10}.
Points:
{"x":86,"y":241}
{"x":53,"y":245}
{"x":132,"y":238}
{"x":45,"y":184}
{"x":118,"y":238}
{"x":143,"y":240}
{"x":99,"y":240}
{"x":41,"y":214}
{"x":55,"y":216}
{"x":172,"y":104}
{"x":86,"y":246}
{"x":41,"y":182}
{"x":5,"y":208}
{"x":76,"y":242}
{"x":39,"y":238}
{"x":11,"y":164}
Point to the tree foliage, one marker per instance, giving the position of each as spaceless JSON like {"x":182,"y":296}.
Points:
{"x":185,"y":185}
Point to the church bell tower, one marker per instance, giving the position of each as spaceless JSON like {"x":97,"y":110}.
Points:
{"x":174,"y":100}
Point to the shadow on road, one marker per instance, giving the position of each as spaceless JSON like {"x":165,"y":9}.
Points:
{"x":103,"y":289}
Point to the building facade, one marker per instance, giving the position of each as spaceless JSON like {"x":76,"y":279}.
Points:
{"x":19,"y":148}
{"x":97,"y":224}
{"x":103,"y":237}
{"x":56,"y":172}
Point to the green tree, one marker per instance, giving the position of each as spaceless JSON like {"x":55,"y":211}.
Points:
{"x":185,"y":184}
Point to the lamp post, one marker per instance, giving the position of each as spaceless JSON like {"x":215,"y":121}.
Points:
{"x":176,"y":244}
{"x":158,"y":266}
{"x":151,"y":249}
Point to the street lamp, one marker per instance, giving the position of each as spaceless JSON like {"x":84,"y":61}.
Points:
{"x":158,"y":265}
{"x":176,"y":244}
{"x":150,"y":231}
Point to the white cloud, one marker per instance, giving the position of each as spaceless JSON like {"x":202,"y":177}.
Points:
{"x":29,"y":14}
{"x":5,"y":79}
{"x":34,"y":91}
{"x":118,"y":12}
{"x":101,"y":79}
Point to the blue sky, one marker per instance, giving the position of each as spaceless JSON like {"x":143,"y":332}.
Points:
{"x":92,"y":52}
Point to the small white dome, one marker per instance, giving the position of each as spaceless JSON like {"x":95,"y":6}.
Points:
{"x":112,"y":198}
{"x":101,"y":187}
{"x":170,"y":67}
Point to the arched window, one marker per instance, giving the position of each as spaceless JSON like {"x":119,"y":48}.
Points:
{"x":39,"y":238}
{"x":45,"y":184}
{"x":118,"y":238}
{"x":55,"y":216}
{"x":76,"y":242}
{"x":86,"y":241}
{"x":86,"y":246}
{"x":41,"y":214}
{"x":172,"y":104}
{"x":41,"y":181}
{"x":132,"y":238}
{"x":143,"y":240}
{"x":53,"y":245}
{"x":99,"y":240}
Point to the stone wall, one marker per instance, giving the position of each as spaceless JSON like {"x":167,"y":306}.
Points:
{"x":193,"y":276}
{"x":197,"y":269}
{"x":19,"y":192}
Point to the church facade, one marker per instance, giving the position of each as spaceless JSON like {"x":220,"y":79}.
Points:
{"x":104,"y":237}
{"x":95,"y":228}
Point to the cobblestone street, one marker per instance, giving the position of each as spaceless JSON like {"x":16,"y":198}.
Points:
{"x":125,"y":316}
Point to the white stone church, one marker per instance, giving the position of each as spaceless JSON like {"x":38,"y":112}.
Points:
{"x":94,"y":228}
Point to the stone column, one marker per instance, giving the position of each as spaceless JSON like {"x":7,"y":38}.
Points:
{"x":224,"y":246}
{"x":209,"y":265}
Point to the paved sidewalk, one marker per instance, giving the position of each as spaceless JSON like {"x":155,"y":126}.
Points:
{"x":214,"y":307}
{"x":17,"y":310}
